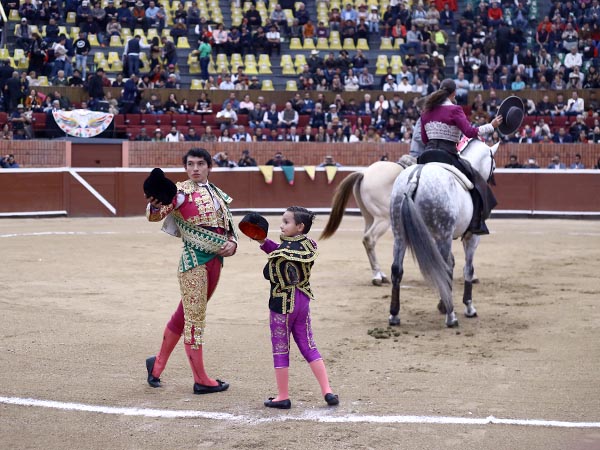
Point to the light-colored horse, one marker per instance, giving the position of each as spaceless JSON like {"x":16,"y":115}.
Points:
{"x":430,"y":207}
{"x":372,"y":189}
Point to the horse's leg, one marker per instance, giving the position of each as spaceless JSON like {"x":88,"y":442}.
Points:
{"x":441,"y":306}
{"x":445,"y":248}
{"x":378,"y":227}
{"x":397,"y":272}
{"x":470,"y":245}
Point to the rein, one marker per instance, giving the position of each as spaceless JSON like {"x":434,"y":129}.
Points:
{"x":490,"y":179}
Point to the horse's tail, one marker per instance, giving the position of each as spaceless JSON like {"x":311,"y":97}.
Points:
{"x":340,"y":200}
{"x":417,"y":237}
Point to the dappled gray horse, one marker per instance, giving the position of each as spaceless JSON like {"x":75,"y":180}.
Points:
{"x":430,"y":207}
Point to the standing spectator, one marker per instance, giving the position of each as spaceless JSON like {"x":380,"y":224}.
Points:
{"x":169,"y":51}
{"x":82,"y":49}
{"x":274,"y":41}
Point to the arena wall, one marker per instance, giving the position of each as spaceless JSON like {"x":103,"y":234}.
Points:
{"x":118,"y":191}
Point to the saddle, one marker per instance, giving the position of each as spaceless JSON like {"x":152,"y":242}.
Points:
{"x":457,"y":174}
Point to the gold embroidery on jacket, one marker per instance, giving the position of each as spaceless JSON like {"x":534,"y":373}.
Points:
{"x":194,"y":292}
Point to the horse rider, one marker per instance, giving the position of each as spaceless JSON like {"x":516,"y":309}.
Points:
{"x":442,"y":123}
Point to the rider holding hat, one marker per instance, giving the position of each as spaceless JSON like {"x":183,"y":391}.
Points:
{"x":442,"y":124}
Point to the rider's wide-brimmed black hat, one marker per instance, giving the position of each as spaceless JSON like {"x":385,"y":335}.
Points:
{"x":157,"y":185}
{"x":254,"y":226}
{"x":512,"y":111}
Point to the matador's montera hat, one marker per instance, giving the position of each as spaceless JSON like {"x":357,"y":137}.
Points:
{"x":157,"y":185}
{"x":254,"y":226}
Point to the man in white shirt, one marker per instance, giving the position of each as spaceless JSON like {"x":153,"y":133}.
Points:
{"x":226,"y":117}
{"x":241,"y":135}
{"x":575,"y":105}
{"x":573,"y":58}
{"x":174,"y":136}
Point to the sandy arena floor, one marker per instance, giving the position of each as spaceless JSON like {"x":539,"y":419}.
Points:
{"x":84,"y":302}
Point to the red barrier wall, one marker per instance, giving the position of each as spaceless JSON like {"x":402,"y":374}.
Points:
{"x":52,"y":190}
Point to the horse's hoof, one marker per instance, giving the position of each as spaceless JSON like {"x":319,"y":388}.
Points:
{"x":385,"y":280}
{"x":475,"y":281}
{"x":394,"y":321}
{"x":451,"y":320}
{"x":470,"y":313}
{"x":376,"y":282}
{"x":441,"y":307}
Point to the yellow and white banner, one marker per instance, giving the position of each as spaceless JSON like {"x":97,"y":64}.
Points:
{"x":310,"y":171}
{"x":331,"y":171}
{"x":82,"y":122}
{"x":267,"y":172}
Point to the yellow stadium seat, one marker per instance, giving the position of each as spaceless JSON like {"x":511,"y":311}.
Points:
{"x":251,"y":68}
{"x":309,"y":44}
{"x":18,"y":53}
{"x":264,"y":59}
{"x":98,"y":56}
{"x":286,"y":58}
{"x":349,"y":44}
{"x":362,"y":44}
{"x":288,"y":69}
{"x":71,"y":17}
{"x":93,"y":40}
{"x":322,"y":43}
{"x":4,"y":54}
{"x":264,"y":69}
{"x":194,"y":67}
{"x":116,"y":66}
{"x":381,"y":65}
{"x":196,"y":84}
{"x":126,"y":33}
{"x":43,"y":80}
{"x":34,"y":29}
{"x":396,"y":60}
{"x":74,"y":33}
{"x":291,"y":85}
{"x":14,"y":15}
{"x":267,"y":85}
{"x":182,"y":42}
{"x":300,"y":60}
{"x":386,"y":44}
{"x":112,"y":57}
{"x":295,"y":44}
{"x":152,"y":33}
{"x":61,"y":30}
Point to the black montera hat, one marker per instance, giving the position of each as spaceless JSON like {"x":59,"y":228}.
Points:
{"x":160,"y":187}
{"x":254,"y":226}
{"x":512,"y":111}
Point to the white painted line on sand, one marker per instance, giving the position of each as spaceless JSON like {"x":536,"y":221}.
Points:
{"x":311,"y":416}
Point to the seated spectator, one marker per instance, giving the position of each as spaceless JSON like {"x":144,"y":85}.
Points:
{"x":575,"y":105}
{"x":329,"y":161}
{"x":514,"y":163}
{"x":288,"y":116}
{"x":158,"y":136}
{"x":226,"y":117}
{"x":577,"y":164}
{"x":246,"y":160}
{"x":9,"y":162}
{"x":143,"y":136}
{"x":278,"y":160}
{"x":241,"y":135}
{"x":562,"y":137}
{"x":225,"y":136}
{"x":555,"y":163}
{"x":221,"y":159}
{"x":531,"y":164}
{"x":208,"y":135}
{"x":174,"y":135}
